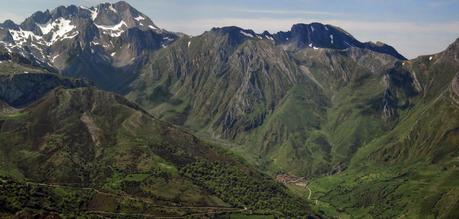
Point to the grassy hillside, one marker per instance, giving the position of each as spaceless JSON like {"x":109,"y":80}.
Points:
{"x":412,"y":169}
{"x":372,"y":133}
{"x":85,"y":140}
{"x":285,"y":112}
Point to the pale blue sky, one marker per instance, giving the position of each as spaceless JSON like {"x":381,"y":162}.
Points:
{"x":414,"y":27}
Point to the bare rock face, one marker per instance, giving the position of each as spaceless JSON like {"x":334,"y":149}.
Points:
{"x":389,"y":107}
{"x":455,"y":85}
{"x":455,"y":89}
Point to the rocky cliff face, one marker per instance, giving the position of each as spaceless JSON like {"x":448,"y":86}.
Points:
{"x":455,"y":85}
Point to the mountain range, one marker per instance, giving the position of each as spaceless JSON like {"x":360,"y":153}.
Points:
{"x":107,"y":114}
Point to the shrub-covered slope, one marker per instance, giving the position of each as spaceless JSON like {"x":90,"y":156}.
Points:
{"x":412,"y":169}
{"x":101,"y":144}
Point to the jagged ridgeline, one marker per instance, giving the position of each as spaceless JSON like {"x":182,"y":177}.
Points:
{"x":103,"y":44}
{"x":355,"y":128}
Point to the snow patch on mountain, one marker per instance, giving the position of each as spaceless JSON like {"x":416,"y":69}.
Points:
{"x":113,"y":31}
{"x":70,"y":36}
{"x":60,"y":29}
{"x":7,"y":46}
{"x":111,"y":8}
{"x":139,"y":18}
{"x":22,"y":36}
{"x":54,"y":58}
{"x":246,"y":34}
{"x":94,"y":13}
{"x":168,"y":38}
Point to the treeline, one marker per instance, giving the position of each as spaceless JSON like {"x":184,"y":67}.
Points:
{"x":243,"y":189}
{"x":23,"y":198}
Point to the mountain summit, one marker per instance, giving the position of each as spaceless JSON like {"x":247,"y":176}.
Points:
{"x":65,"y":22}
{"x":317,"y":35}
{"x":102,"y":43}
{"x":314,"y":35}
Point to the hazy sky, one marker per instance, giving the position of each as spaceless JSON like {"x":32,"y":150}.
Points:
{"x":414,"y":27}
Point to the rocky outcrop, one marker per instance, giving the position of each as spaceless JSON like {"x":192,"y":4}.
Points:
{"x":389,"y":103}
{"x":455,"y":89}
